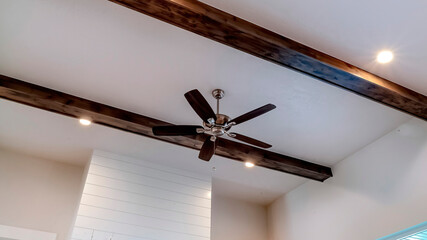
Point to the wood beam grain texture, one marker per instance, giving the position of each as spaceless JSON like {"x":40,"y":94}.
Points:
{"x":235,"y":32}
{"x":62,"y":103}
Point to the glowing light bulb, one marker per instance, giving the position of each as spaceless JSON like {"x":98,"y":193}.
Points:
{"x":385,"y":56}
{"x":85,"y":122}
{"x":249,"y":164}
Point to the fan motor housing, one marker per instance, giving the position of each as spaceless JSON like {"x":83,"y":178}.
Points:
{"x":219,"y":127}
{"x":222,"y":119}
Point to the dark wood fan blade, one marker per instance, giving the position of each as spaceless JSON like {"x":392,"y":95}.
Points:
{"x":254,"y":113}
{"x":207,"y":150}
{"x":176,"y":130}
{"x":250,"y":140}
{"x":200,"y":105}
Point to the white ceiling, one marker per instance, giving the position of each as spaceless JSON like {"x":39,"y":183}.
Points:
{"x":107,"y":53}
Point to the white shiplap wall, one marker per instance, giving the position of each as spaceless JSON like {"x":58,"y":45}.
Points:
{"x":132,"y":199}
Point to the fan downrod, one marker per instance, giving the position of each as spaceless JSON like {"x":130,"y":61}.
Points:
{"x":221,"y":125}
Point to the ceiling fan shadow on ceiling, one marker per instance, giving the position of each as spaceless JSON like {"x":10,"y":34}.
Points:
{"x":214,"y":125}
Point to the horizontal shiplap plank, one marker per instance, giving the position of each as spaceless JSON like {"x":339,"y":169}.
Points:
{"x":147,"y":191}
{"x":133,"y":230}
{"x":147,"y":181}
{"x":102,"y":235}
{"x":125,"y":237}
{"x":92,"y":234}
{"x":143,"y":221}
{"x":156,"y":172}
{"x":82,"y":233}
{"x":144,"y":210}
{"x":146,"y":201}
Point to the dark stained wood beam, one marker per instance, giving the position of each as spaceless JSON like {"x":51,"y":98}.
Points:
{"x":62,"y":103}
{"x":235,"y":32}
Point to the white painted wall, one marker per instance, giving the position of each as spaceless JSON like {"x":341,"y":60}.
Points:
{"x":38,"y":194}
{"x":132,"y":199}
{"x":379,"y":190}
{"x":237,"y":220}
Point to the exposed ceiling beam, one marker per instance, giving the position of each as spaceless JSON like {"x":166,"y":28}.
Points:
{"x":235,"y":32}
{"x":59,"y":102}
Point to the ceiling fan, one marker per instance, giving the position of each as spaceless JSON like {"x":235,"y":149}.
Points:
{"x":215,"y":125}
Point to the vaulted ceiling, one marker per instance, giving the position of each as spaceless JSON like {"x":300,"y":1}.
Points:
{"x":104,"y":52}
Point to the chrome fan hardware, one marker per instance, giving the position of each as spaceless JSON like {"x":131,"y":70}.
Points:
{"x":214,"y":125}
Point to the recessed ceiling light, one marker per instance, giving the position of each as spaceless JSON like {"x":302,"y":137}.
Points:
{"x":85,"y":122}
{"x":385,"y":56}
{"x":249,"y":164}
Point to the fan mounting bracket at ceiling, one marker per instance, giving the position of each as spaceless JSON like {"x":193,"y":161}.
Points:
{"x":218,"y":93}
